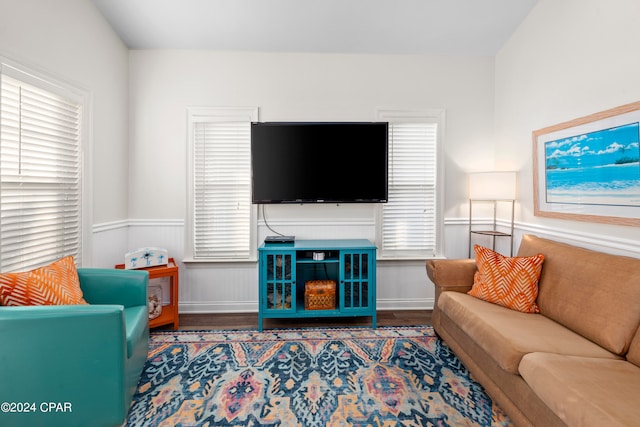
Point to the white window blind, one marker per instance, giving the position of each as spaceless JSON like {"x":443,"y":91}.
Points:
{"x":223,"y":216}
{"x":409,"y":222}
{"x":40,"y":175}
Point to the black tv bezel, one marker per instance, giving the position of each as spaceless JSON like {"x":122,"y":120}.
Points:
{"x":326,"y":200}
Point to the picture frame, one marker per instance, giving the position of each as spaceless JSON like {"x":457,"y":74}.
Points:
{"x":588,"y":169}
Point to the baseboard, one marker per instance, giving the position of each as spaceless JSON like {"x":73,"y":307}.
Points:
{"x":218,"y":307}
{"x":405,"y":304}
{"x":252,"y":307}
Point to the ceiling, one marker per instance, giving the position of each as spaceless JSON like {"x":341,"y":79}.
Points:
{"x":435,"y":27}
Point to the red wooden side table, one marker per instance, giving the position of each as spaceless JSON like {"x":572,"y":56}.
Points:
{"x":169,"y":313}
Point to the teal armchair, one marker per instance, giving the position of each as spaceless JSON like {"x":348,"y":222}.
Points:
{"x":76,"y":365}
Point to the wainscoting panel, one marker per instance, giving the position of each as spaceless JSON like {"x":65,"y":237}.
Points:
{"x":312,"y":230}
{"x":109,"y":244}
{"x":233,"y":287}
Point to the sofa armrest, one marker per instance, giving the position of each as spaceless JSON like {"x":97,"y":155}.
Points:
{"x":113,"y":286}
{"x":452,"y":274}
{"x":73,"y":355}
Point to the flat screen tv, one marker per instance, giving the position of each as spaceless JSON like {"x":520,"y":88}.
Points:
{"x":303,"y":162}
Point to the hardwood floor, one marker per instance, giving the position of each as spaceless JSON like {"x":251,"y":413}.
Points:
{"x":230,"y":321}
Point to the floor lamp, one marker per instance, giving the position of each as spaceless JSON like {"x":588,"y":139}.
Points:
{"x":492,"y":187}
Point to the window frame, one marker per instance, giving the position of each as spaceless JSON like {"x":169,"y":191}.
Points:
{"x":434,"y":116}
{"x":214,"y":114}
{"x":47,"y":82}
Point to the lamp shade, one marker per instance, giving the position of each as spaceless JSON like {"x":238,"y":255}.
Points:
{"x":492,"y":186}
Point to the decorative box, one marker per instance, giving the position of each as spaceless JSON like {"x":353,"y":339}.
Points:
{"x":145,"y":257}
{"x":154,"y":297}
{"x":320,"y":295}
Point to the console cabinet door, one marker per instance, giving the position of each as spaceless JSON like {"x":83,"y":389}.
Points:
{"x":356,"y":282}
{"x":278,"y":284}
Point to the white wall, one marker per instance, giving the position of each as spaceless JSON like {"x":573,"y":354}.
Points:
{"x":294,"y":87}
{"x":69,"y":40}
{"x":290,"y":87}
{"x":569,"y":59}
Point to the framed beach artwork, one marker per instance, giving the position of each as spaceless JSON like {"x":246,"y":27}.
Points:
{"x":588,"y":169}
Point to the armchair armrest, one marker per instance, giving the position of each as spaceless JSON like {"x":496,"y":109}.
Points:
{"x":112,"y":286}
{"x":73,"y":355}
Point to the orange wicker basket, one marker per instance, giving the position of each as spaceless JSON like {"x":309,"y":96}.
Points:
{"x":320,"y":295}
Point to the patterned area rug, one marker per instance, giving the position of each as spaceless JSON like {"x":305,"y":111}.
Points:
{"x":308,"y":377}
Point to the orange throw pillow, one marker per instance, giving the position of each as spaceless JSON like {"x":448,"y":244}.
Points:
{"x":509,"y":282}
{"x":54,"y":284}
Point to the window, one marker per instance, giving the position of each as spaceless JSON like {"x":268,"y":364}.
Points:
{"x":409,"y":224}
{"x":41,"y":203}
{"x":221,"y":224}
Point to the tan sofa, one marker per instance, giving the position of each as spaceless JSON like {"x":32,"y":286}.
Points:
{"x":575,"y":363}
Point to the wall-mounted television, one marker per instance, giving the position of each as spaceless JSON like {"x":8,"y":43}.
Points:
{"x":319,"y":162}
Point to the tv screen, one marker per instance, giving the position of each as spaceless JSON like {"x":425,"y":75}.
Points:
{"x":337,"y":162}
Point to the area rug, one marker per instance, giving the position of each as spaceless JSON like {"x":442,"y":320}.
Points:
{"x":310,"y":378}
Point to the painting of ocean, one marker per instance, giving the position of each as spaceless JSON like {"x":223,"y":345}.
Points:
{"x":597,"y":168}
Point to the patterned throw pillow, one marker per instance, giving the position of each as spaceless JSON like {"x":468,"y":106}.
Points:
{"x":54,"y":284}
{"x":509,"y":282}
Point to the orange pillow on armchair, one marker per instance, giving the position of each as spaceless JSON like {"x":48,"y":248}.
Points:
{"x":54,"y":284}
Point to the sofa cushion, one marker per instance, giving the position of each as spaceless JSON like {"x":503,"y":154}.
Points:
{"x":585,"y":391}
{"x":54,"y":284}
{"x":593,"y":293}
{"x":634,"y":350}
{"x":507,"y":335}
{"x":511,"y":282}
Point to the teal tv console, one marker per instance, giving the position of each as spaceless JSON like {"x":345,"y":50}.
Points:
{"x":286,"y":267}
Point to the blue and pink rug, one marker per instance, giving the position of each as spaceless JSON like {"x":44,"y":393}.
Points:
{"x":309,"y":378}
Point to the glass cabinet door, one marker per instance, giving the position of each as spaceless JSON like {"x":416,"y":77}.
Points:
{"x":278,"y":293}
{"x":355,"y":282}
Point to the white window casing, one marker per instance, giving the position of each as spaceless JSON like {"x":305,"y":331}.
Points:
{"x":409,"y":225}
{"x":221,"y":222}
{"x":43,"y":134}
